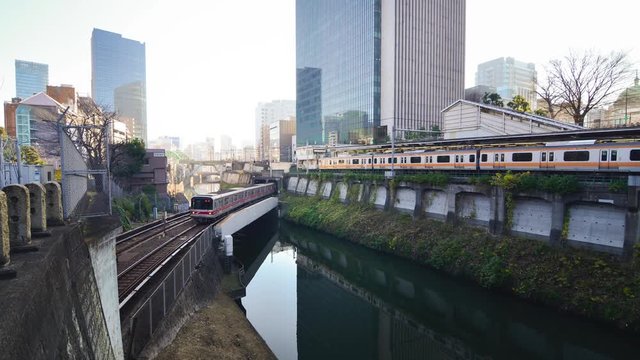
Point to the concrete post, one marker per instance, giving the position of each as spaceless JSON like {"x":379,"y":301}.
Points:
{"x":452,"y":195}
{"x":55,"y":215}
{"x":4,"y":231}
{"x":497,"y":213}
{"x":366,"y":193}
{"x":388,"y":202}
{"x":19,"y":215}
{"x":418,"y":210}
{"x":38,"y":210}
{"x":557,"y":219}
{"x":631,"y":232}
{"x":228,"y":251}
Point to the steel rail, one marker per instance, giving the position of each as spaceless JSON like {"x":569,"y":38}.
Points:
{"x":149,"y":234}
{"x":152,"y":225}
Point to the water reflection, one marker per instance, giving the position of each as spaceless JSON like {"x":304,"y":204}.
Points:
{"x":315,"y":297}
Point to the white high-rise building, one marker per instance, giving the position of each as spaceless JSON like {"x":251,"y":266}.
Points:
{"x":266,"y":114}
{"x":510,"y":77}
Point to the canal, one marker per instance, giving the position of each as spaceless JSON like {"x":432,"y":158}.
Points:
{"x":312,"y":296}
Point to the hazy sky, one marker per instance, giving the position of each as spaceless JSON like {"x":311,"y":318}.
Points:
{"x":210,"y":62}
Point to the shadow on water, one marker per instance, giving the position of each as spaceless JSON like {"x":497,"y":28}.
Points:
{"x":346,"y":301}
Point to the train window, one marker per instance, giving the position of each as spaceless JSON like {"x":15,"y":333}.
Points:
{"x":461,"y":158}
{"x":443,"y":158}
{"x":522,"y":156}
{"x":456,"y":158}
{"x":340,"y":161}
{"x":551,"y":156}
{"x":495,"y":158}
{"x":483,"y":157}
{"x":576,"y":156}
{"x":472,"y":158}
{"x":502,"y":157}
{"x":415,"y":160}
{"x":375,"y":161}
{"x":356,"y":161}
{"x":614,"y":155}
{"x":369,"y":160}
{"x":543,"y":156}
{"x":603,"y":157}
{"x":634,"y":155}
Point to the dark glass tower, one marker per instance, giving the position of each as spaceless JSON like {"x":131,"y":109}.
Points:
{"x":118,"y":77}
{"x":369,"y":66}
{"x":338,"y":70}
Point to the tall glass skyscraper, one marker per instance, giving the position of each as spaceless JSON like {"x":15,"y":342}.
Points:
{"x":365,"y":67}
{"x":119,"y":78}
{"x":31,"y":78}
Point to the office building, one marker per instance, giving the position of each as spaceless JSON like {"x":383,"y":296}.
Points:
{"x":266,"y":114}
{"x":281,"y":133}
{"x":118,"y":78}
{"x":31,"y":78}
{"x":509,"y":77}
{"x":366,"y":67}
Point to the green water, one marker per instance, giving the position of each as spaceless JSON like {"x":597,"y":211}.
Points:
{"x":316,"y":297}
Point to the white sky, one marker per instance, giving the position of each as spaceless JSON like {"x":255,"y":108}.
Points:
{"x":210,"y":62}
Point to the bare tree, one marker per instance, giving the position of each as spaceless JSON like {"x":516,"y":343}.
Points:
{"x":549,"y":92}
{"x":584,"y":81}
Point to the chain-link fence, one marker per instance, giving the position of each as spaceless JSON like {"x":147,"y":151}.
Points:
{"x":85,"y":190}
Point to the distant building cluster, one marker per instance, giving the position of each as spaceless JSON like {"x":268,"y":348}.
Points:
{"x":267,"y":114}
{"x":118,"y":84}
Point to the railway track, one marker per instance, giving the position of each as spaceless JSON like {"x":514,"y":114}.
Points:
{"x":136,"y":269}
{"x":138,"y":235}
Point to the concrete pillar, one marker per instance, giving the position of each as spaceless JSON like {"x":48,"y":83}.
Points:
{"x":4,"y":231}
{"x":19,"y":215}
{"x":366,"y":192}
{"x":53,"y":201}
{"x":38,"y":209}
{"x":631,"y":232}
{"x":452,"y":194}
{"x":418,"y":209}
{"x":558,"y":207}
{"x":388,"y":202}
{"x":497,"y":213}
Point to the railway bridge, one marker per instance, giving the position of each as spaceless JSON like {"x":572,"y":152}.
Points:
{"x":156,"y":264}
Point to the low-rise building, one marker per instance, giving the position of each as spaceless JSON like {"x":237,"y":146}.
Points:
{"x":153,"y":173}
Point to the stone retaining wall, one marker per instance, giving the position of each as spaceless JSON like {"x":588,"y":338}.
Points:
{"x":596,"y":218}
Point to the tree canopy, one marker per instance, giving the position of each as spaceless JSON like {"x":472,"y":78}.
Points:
{"x":519,"y":103}
{"x":493,"y":99}
{"x":127,"y":158}
{"x":30,"y":155}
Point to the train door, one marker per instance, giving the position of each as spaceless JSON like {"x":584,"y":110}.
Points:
{"x":547,"y":159}
{"x":498,"y":160}
{"x":608,"y":159}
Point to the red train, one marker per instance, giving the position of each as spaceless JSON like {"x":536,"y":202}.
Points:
{"x":208,"y":207}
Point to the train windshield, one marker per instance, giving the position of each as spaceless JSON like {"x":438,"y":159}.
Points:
{"x":201,"y":203}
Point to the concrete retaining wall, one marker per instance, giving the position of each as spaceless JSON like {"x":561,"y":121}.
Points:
{"x":532,"y":217}
{"x":598,"y":219}
{"x":302,"y":186}
{"x":342,"y":191}
{"x":312,"y":188}
{"x":405,"y":199}
{"x":474,"y":208}
{"x":597,"y":224}
{"x":435,"y":204}
{"x":292,"y":184}
{"x":379,"y":196}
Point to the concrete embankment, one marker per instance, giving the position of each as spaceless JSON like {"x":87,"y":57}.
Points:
{"x":205,"y":323}
{"x":597,"y":285}
{"x":53,"y":309}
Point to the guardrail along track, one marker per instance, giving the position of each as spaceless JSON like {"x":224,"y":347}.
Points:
{"x":133,"y":274}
